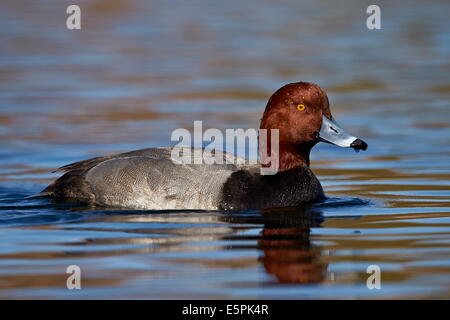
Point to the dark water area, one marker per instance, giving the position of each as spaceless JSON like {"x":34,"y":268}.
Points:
{"x":140,"y":69}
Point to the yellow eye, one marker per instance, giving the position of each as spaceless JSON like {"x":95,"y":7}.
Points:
{"x":301,"y":107}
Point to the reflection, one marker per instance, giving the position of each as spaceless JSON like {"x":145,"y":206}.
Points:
{"x":288,"y":256}
{"x":283,"y":238}
{"x":285,"y":242}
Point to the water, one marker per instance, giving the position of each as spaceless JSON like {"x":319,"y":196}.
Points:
{"x":139,"y":69}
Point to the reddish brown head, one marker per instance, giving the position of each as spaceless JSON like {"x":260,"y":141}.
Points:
{"x":301,"y":112}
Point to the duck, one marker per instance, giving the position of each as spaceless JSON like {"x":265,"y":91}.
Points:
{"x":149,"y":178}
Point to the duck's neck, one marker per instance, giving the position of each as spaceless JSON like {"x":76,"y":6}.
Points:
{"x":292,"y":155}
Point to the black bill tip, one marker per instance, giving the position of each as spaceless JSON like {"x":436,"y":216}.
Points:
{"x":358,"y":144}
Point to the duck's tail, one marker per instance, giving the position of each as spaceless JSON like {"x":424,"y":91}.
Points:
{"x":42,"y":194}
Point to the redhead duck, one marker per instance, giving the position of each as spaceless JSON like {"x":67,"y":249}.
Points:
{"x":150,"y":179}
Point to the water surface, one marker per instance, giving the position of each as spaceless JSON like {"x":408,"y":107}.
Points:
{"x":139,"y":69}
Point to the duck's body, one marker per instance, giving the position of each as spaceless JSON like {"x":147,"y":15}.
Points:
{"x":151,"y":179}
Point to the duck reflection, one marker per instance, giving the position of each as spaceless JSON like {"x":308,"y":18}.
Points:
{"x":285,"y":243}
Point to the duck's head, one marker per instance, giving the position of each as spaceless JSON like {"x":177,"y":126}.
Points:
{"x":301,"y":112}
